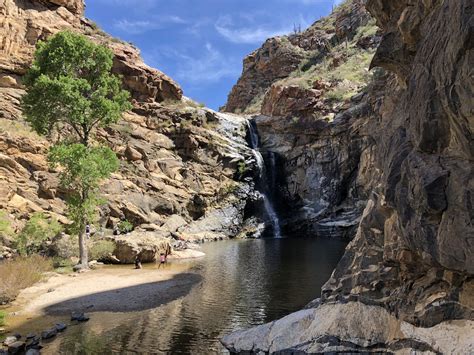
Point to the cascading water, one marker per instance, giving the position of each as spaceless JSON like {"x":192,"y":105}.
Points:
{"x":266,"y":179}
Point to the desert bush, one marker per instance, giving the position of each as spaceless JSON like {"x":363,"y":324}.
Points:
{"x":6,"y":230}
{"x":37,"y":230}
{"x":125,"y":226}
{"x":3,"y":316}
{"x":101,"y":249}
{"x":20,"y":273}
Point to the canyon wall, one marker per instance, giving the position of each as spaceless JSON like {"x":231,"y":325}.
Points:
{"x":313,"y":112}
{"x":406,"y":281}
{"x":178,"y":161}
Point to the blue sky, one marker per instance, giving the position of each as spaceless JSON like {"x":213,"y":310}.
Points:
{"x":201,"y":43}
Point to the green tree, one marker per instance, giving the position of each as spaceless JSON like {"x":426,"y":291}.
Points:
{"x":70,"y":92}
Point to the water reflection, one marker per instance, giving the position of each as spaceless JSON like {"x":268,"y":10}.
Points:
{"x":243,"y":284}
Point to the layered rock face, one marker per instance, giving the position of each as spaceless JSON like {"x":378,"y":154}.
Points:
{"x":314,"y":119}
{"x":410,"y":266}
{"x":178,"y":160}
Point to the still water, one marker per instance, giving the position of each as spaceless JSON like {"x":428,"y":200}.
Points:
{"x":243,"y":284}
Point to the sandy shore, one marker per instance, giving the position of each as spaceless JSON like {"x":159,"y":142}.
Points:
{"x":110,"y":289}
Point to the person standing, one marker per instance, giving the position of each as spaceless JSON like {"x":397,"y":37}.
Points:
{"x":88,"y":231}
{"x":162,"y":260}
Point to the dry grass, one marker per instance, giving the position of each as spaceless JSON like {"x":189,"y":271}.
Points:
{"x":21,"y":273}
{"x":17,"y":128}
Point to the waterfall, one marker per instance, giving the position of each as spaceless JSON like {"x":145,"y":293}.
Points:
{"x":267,"y":179}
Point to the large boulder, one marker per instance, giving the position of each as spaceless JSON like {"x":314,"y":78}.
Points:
{"x":351,"y":328}
{"x":147,"y":245}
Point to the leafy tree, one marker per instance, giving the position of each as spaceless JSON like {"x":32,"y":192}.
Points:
{"x":70,"y":92}
{"x":37,"y":230}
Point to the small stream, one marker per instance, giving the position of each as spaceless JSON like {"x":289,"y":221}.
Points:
{"x":243,"y":284}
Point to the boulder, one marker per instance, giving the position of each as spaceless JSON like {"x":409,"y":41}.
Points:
{"x":173,"y":223}
{"x":336,"y":328}
{"x":60,"y":327}
{"x":16,"y":347}
{"x":79,"y":317}
{"x":49,"y":333}
{"x":147,"y":245}
{"x":10,"y":340}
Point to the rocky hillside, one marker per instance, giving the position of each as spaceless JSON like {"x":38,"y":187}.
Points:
{"x":406,"y":282}
{"x":179,"y":162}
{"x":309,"y":88}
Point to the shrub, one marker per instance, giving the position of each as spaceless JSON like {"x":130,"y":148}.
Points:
{"x":101,"y":249}
{"x":6,"y":230}
{"x":21,"y":273}
{"x":125,"y":226}
{"x":63,"y":266}
{"x":36,"y":231}
{"x":3,"y":316}
{"x":241,"y":169}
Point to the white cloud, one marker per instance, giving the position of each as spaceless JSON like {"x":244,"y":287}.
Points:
{"x":205,"y":67}
{"x":211,"y":67}
{"x":141,"y":26}
{"x":250,"y":34}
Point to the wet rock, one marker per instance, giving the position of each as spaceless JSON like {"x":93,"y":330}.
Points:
{"x":16,"y":347}
{"x":33,"y":343}
{"x":10,"y":340}
{"x":79,"y":317}
{"x":49,"y":333}
{"x":33,"y":352}
{"x":60,"y":327}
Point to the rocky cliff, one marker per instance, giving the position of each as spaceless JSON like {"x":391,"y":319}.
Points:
{"x":314,"y":115}
{"x":178,"y":161}
{"x":406,"y":281}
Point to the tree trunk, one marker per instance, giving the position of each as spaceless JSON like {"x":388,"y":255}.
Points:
{"x":83,"y":252}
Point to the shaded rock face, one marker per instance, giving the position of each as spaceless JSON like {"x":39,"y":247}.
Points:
{"x":176,"y":159}
{"x":323,"y":173}
{"x":416,"y":232}
{"x":410,"y":263}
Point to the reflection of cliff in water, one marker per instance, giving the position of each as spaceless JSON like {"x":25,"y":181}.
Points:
{"x":243,"y":284}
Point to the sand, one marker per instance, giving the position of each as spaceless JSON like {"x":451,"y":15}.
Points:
{"x":110,"y":289}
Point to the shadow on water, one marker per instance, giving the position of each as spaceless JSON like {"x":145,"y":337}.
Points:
{"x":242,"y":284}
